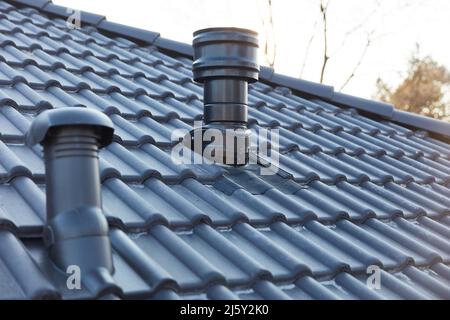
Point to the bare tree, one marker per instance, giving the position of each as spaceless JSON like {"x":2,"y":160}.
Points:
{"x":324,"y":13}
{"x":308,"y":47}
{"x":328,"y":52}
{"x":270,"y":46}
{"x":358,"y":63}
{"x":358,"y":27}
{"x":326,"y":57}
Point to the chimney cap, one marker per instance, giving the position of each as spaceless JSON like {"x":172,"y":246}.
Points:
{"x":225,"y":52}
{"x":48,"y":119}
{"x":233,"y":32}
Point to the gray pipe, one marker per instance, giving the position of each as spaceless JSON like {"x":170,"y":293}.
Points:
{"x":225,"y":61}
{"x":76,"y":231}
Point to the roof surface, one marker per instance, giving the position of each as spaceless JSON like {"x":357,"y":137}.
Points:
{"x":353,"y":190}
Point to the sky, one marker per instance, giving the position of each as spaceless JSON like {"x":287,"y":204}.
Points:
{"x":394,"y":27}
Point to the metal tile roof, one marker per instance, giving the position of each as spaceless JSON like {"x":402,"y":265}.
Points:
{"x":353,"y":190}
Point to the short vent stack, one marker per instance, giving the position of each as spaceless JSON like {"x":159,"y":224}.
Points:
{"x":76,"y":231}
{"x":225,"y":61}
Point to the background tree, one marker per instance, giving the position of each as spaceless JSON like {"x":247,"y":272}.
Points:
{"x":270,"y":45}
{"x":270,"y":49}
{"x":327,"y":41}
{"x":424,"y":90}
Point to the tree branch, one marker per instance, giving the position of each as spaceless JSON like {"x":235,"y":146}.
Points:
{"x":358,"y":64}
{"x":323,"y":10}
{"x":308,"y":47}
{"x":269,"y":29}
{"x":357,"y":27}
{"x":272,"y":28}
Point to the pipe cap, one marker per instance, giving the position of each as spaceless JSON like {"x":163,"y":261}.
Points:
{"x":48,"y":119}
{"x":225,"y":53}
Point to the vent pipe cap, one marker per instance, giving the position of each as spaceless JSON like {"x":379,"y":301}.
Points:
{"x":225,"y":53}
{"x":44,"y":122}
{"x":76,"y":231}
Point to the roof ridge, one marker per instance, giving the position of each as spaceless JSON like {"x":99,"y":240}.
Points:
{"x":385,"y":110}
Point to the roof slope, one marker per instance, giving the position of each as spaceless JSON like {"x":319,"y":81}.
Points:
{"x":353,"y":191}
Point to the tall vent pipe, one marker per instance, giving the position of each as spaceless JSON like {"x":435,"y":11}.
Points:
{"x":76,"y":231}
{"x":225,"y":61}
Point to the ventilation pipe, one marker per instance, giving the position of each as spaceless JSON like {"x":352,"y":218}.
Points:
{"x":225,"y":61}
{"x":76,"y":231}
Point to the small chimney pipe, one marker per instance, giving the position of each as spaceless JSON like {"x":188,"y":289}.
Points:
{"x":225,"y":61}
{"x":76,"y":230}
